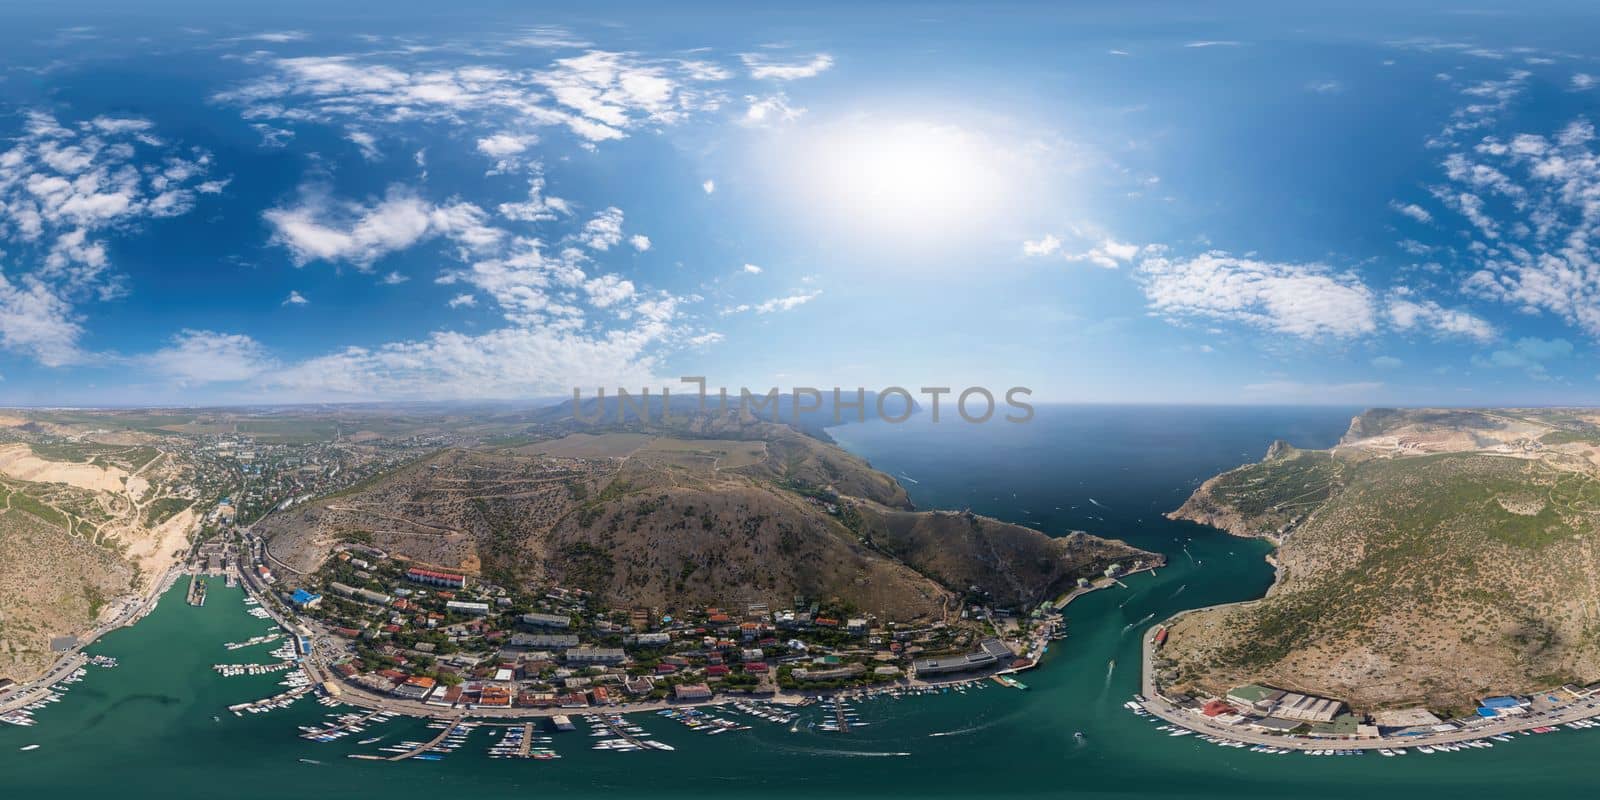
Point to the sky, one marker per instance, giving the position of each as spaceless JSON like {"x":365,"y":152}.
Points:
{"x":1102,"y":202}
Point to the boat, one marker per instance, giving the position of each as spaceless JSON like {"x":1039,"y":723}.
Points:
{"x":25,"y":748}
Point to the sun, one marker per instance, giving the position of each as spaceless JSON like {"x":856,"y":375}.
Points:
{"x":906,"y":177}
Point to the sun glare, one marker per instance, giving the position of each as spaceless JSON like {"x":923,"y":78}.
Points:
{"x":907,"y":177}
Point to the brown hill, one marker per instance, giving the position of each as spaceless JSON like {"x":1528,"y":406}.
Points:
{"x":1434,"y":556}
{"x":675,"y":521}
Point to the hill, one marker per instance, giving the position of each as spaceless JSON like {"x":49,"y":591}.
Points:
{"x":713,"y":511}
{"x":81,"y":524}
{"x":1432,"y":556}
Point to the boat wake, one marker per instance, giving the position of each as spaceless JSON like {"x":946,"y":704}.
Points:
{"x":906,"y":477}
{"x":1100,"y":504}
{"x":965,"y":731}
{"x":1130,"y":626}
{"x":1111,"y":667}
{"x":1180,"y":590}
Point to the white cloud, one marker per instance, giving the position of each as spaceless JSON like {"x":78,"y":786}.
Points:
{"x":763,"y":68}
{"x":1533,"y":201}
{"x":598,"y":95}
{"x":197,"y":356}
{"x":504,"y":144}
{"x":604,"y":230}
{"x":548,"y":37}
{"x":1044,"y":246}
{"x":1387,"y":362}
{"x":506,"y":363}
{"x":320,"y":229}
{"x":1584,"y":82}
{"x":769,"y":110}
{"x":271,"y":37}
{"x":393,"y":279}
{"x":64,"y":191}
{"x":1427,"y":315}
{"x":1109,"y":253}
{"x":709,"y":186}
{"x":295,"y":298}
{"x":1412,"y":210}
{"x":366,"y":143}
{"x":752,"y":269}
{"x":776,"y":304}
{"x":463,"y":301}
{"x":1304,"y":300}
{"x":639,"y":242}
{"x":1212,"y":43}
{"x":538,"y":207}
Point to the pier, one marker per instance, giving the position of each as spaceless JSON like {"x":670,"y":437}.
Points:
{"x":417,"y":751}
{"x":527,"y":740}
{"x":197,"y":590}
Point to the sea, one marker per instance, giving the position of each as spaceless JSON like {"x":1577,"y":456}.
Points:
{"x":157,"y":725}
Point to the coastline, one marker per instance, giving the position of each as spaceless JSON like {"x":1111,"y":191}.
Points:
{"x":1152,"y":701}
{"x":22,"y":694}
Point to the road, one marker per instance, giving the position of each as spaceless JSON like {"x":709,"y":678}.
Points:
{"x":132,"y":611}
{"x":1581,"y":709}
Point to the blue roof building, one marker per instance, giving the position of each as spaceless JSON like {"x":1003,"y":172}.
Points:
{"x":304,"y":599}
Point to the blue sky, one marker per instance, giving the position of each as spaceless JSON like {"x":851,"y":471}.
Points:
{"x":1105,"y":202}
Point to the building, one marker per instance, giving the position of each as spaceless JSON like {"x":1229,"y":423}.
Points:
{"x":559,"y":621}
{"x":1503,"y":706}
{"x":543,"y":641}
{"x":433,"y":578}
{"x":1285,"y":705}
{"x":945,"y":665}
{"x":415,"y":688}
{"x":834,"y":674}
{"x":691,"y":692}
{"x":595,"y":655}
{"x":470,"y":609}
{"x":303,"y":599}
{"x":1255,"y":697}
{"x":361,"y":594}
{"x":648,"y":639}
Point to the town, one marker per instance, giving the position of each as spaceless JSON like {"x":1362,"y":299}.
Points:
{"x":422,"y":640}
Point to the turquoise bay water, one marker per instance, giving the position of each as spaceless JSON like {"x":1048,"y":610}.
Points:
{"x":147,"y":728}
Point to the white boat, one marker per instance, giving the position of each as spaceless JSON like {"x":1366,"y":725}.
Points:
{"x":25,"y":748}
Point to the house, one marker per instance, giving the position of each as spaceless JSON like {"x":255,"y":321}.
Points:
{"x":303,"y":599}
{"x":471,"y":609}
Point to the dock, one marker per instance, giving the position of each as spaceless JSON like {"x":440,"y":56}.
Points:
{"x":527,"y":741}
{"x":838,"y":713}
{"x":197,"y":591}
{"x":419,"y":750}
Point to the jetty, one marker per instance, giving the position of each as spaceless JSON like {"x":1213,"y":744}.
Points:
{"x":423,"y":748}
{"x":197,"y":591}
